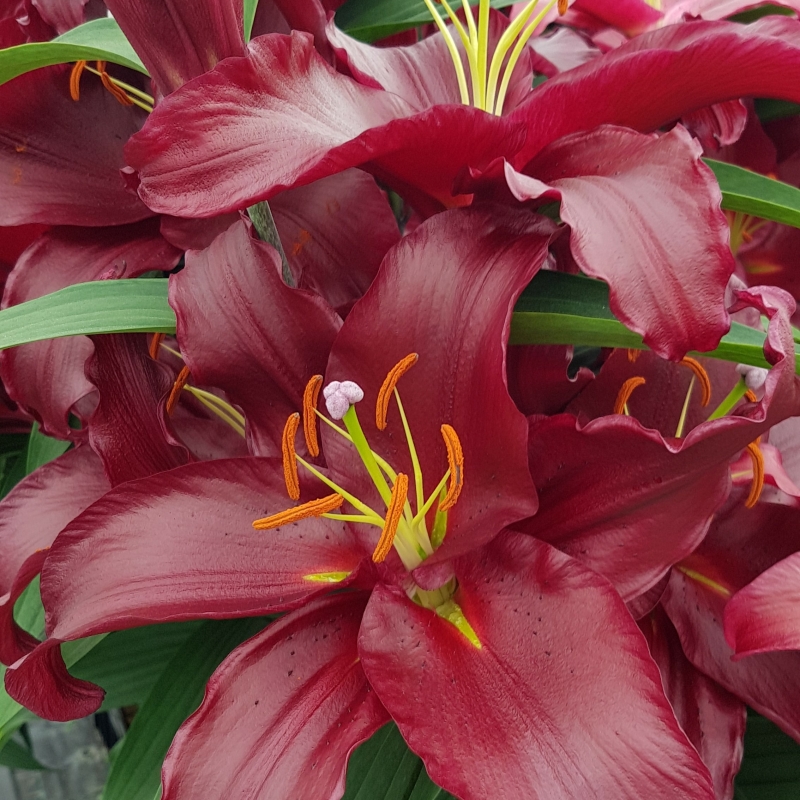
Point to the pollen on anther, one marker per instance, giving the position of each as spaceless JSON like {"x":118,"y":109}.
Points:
{"x":289,"y":456}
{"x":393,"y":513}
{"x":757,"y":486}
{"x":310,"y":398}
{"x":633,"y":355}
{"x":75,"y":80}
{"x":563,"y":5}
{"x":625,"y":392}
{"x":702,"y":378}
{"x":155,"y":345}
{"x":313,"y":508}
{"x":389,"y":385}
{"x":177,"y":388}
{"x":750,"y":396}
{"x":455,"y":461}
{"x":119,"y":94}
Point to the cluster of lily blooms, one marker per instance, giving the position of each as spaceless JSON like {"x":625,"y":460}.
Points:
{"x":557,"y":585}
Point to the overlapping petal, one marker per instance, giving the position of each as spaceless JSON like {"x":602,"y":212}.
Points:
{"x":456,"y":317}
{"x":560,"y":657}
{"x":243,"y":330}
{"x":282,"y":713}
{"x":47,"y":378}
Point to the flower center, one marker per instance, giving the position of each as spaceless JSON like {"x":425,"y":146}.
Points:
{"x":123,"y":92}
{"x":404,"y":521}
{"x":490,"y":77}
{"x":751,"y":377}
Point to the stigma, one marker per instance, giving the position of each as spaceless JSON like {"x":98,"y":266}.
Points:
{"x":489,"y":77}
{"x":412,"y":523}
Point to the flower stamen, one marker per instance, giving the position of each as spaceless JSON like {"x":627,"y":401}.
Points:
{"x":388,"y":387}
{"x":750,"y":396}
{"x":116,"y":92}
{"x":393,"y":513}
{"x":633,"y":355}
{"x":155,"y":345}
{"x":702,"y":378}
{"x":625,"y":392}
{"x":177,"y":388}
{"x":313,"y":508}
{"x":310,"y":398}
{"x":290,"y":475}
{"x":75,"y":80}
{"x":757,"y":457}
{"x":455,"y":459}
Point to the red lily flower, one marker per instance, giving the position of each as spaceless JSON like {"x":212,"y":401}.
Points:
{"x":402,"y":121}
{"x":512,"y":630}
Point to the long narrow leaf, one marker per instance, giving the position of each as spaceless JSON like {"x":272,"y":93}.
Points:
{"x":98,"y":40}
{"x":250,"y":8}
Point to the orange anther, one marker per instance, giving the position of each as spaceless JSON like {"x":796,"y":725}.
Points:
{"x":177,"y":388}
{"x":389,"y":385}
{"x":563,"y":5}
{"x":289,"y":456}
{"x":757,"y":486}
{"x":313,"y":508}
{"x":625,"y":392}
{"x":393,"y":513}
{"x":75,"y":80}
{"x":702,"y":378}
{"x":310,"y":397}
{"x":455,"y":460}
{"x":155,"y":345}
{"x":750,"y":396}
{"x":119,"y":94}
{"x":633,"y":355}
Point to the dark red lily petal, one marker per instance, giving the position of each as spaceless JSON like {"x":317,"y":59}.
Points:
{"x":330,"y":250}
{"x":15,"y":240}
{"x":62,"y":15}
{"x":537,"y":378}
{"x":68,"y":171}
{"x":767,"y":682}
{"x":717,"y":126}
{"x":243,"y":330}
{"x":310,"y":16}
{"x":175,"y":546}
{"x":195,"y":234}
{"x":560,"y":656}
{"x":770,"y":259}
{"x":763,"y":616}
{"x":47,"y":378}
{"x":128,"y":429}
{"x":282,"y":713}
{"x":205,"y":435}
{"x":423,"y":73}
{"x":630,"y":16}
{"x":178,"y":40}
{"x":31,"y":517}
{"x":456,"y":317}
{"x":696,"y":65}
{"x":645,"y":217}
{"x":621,"y":499}
{"x":712,"y":718}
{"x":299,"y":121}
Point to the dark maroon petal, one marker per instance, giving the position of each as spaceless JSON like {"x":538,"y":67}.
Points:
{"x":205,"y":435}
{"x":763,"y":616}
{"x":181,"y":545}
{"x":66,"y":172}
{"x":529,"y":714}
{"x":128,"y":429}
{"x":31,"y":517}
{"x":195,"y":234}
{"x":712,"y":718}
{"x":769,"y":683}
{"x":178,"y":40}
{"x":329,"y":249}
{"x":299,"y":121}
{"x":456,"y":318}
{"x":15,"y":240}
{"x":282,"y":713}
{"x":537,"y":378}
{"x":630,"y":16}
{"x":619,"y":498}
{"x":244,"y":331}
{"x":47,"y":378}
{"x":61,"y":15}
{"x":645,"y":217}
{"x":696,"y":65}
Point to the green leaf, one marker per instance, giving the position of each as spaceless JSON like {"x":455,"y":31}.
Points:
{"x":383,"y":768}
{"x":570,"y":309}
{"x":369,"y":20}
{"x":13,"y":443}
{"x":14,"y":755}
{"x":125,"y":306}
{"x":768,"y":109}
{"x":136,"y":771}
{"x":250,"y":8}
{"x":751,"y":193}
{"x":98,"y":40}
{"x":42,"y":449}
{"x":771,"y":765}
